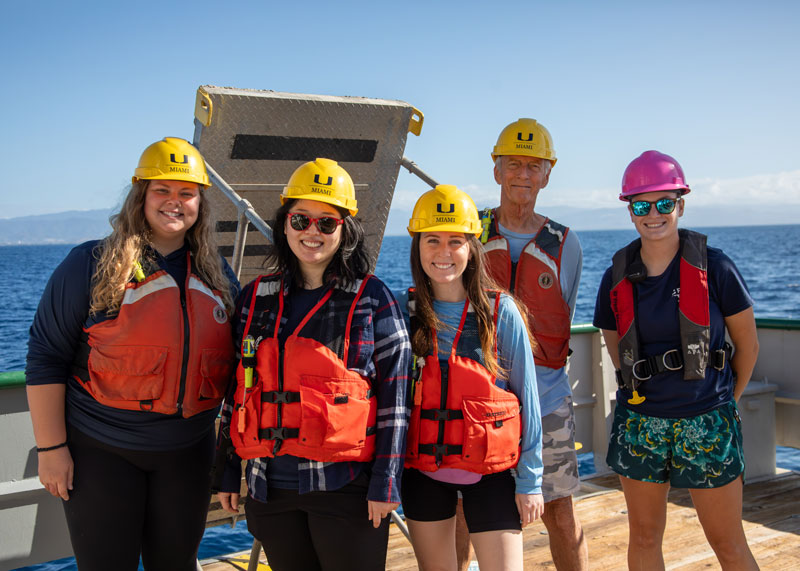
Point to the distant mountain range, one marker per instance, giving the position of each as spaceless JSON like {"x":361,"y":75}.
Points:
{"x":72,"y":227}
{"x":76,"y":226}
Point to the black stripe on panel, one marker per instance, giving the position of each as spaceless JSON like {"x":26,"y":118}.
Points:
{"x":274,"y":148}
{"x":254,"y":250}
{"x":230,"y":226}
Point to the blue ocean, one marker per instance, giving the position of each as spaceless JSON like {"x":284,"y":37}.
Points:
{"x":767,"y":256}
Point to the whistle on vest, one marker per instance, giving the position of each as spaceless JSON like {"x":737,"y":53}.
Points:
{"x":248,"y":358}
{"x":636,"y":398}
{"x":416,"y":380}
{"x":242,"y":419}
{"x":138,"y":271}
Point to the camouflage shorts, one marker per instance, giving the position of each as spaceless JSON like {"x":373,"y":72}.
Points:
{"x":558,"y":452}
{"x":703,"y":451}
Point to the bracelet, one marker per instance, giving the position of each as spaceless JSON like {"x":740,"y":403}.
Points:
{"x":49,"y":448}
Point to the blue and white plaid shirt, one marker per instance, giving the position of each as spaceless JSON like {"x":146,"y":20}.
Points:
{"x":380,"y":351}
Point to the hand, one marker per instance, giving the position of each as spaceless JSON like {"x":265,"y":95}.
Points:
{"x":55,"y":471}
{"x":379,"y":510}
{"x":229,"y":501}
{"x":530,"y":506}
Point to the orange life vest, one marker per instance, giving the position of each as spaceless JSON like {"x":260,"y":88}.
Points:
{"x":463,"y":420}
{"x":303,"y":401}
{"x":536,"y":281}
{"x":160,"y":354}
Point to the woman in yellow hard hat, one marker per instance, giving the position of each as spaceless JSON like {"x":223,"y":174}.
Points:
{"x":319,"y":407}
{"x":475,"y":426}
{"x":129,"y":356}
{"x":664,"y":307}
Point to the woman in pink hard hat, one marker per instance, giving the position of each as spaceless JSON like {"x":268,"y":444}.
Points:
{"x":664,"y":306}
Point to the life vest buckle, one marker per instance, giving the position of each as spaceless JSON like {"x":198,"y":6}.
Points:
{"x":635,"y":372}
{"x":280,"y":397}
{"x":675,"y":356}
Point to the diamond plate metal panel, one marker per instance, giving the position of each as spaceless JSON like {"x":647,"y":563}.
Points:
{"x":239,"y":132}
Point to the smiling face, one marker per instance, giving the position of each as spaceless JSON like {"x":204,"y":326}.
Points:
{"x":521,"y":178}
{"x":313,"y":249}
{"x":171,"y":208}
{"x":444,"y":257}
{"x":654,"y":225}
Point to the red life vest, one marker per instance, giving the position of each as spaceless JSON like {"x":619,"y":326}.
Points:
{"x":536,"y":281}
{"x":694,"y":316}
{"x":463,"y":420}
{"x":158,"y":354}
{"x":304,"y":400}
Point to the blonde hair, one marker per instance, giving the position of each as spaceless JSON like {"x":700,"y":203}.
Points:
{"x":118,"y":252}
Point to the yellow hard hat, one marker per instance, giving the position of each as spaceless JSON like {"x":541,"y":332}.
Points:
{"x":445,"y":209}
{"x":172,"y":159}
{"x":525,"y":137}
{"x":322,"y":180}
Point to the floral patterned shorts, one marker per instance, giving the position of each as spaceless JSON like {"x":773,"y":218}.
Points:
{"x":703,"y":451}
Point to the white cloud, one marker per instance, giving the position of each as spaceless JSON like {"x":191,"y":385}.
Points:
{"x":778,"y":188}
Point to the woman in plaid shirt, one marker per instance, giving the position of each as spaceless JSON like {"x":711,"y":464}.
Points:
{"x":319,"y":407}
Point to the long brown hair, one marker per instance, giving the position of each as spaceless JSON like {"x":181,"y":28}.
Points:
{"x":117,"y":253}
{"x":476,"y":281}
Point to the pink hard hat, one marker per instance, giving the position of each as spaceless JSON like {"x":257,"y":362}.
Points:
{"x":650,"y":172}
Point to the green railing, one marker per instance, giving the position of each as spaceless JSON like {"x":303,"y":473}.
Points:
{"x":17,"y":378}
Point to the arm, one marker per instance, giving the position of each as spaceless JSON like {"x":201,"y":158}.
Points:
{"x":46,"y":403}
{"x":742,"y":329}
{"x":611,"y":337}
{"x":572,"y":265}
{"x":516,"y":358}
{"x":228,"y":465}
{"x":54,"y":339}
{"x":391,"y":357}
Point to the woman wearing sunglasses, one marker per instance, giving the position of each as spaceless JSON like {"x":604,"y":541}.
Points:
{"x":475,"y":425}
{"x":319,"y":407}
{"x":664,"y":306}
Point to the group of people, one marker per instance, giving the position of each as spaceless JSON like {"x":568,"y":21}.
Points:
{"x":345,"y":398}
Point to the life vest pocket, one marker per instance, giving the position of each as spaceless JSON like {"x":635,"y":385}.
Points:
{"x":216,"y":369}
{"x":335,"y":412}
{"x":491,"y":430}
{"x":127,"y":373}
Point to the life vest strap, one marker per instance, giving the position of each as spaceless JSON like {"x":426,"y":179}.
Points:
{"x":440,"y":414}
{"x":278,"y":433}
{"x":672,"y":360}
{"x":440,"y":450}
{"x":285,"y":397}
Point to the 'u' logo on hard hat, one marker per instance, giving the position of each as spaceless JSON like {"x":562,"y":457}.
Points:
{"x":330,"y":180}
{"x":519,"y":137}
{"x":439,"y":208}
{"x":183,"y":162}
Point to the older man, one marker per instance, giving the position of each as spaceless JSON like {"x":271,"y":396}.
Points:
{"x":539,"y":260}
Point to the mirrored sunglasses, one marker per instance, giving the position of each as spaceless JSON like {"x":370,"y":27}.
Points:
{"x":663,"y":205}
{"x":325,"y":224}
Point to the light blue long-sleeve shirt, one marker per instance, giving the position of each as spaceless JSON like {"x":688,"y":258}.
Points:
{"x":515,"y":357}
{"x":553,"y":383}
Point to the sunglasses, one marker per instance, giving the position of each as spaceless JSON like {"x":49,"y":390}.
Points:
{"x":664,"y":206}
{"x":325,"y":224}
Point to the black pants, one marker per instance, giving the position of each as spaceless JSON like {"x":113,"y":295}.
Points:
{"x":319,"y":531}
{"x":129,"y":502}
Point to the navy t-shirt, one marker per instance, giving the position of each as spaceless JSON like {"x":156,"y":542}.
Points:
{"x":668,"y":395}
{"x":55,"y":335}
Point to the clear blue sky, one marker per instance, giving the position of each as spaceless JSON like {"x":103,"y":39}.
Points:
{"x":87,"y":85}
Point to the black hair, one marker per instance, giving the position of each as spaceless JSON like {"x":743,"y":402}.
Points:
{"x":349,"y":264}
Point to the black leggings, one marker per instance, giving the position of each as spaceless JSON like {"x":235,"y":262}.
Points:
{"x":319,"y":530}
{"x":131,"y":502}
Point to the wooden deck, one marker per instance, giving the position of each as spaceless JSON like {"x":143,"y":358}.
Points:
{"x":771,"y":521}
